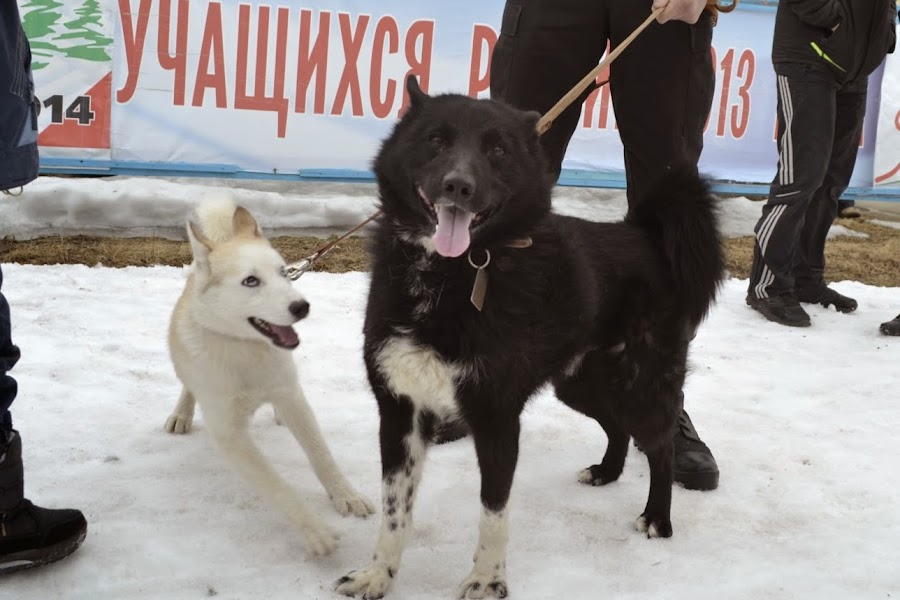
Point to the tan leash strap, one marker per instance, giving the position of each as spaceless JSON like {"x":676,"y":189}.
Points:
{"x":715,"y":8}
{"x":547,"y":120}
{"x":714,"y":5}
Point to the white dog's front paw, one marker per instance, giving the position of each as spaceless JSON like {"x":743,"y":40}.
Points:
{"x":351,"y":502}
{"x":370,"y":583}
{"x":484,"y":585}
{"x":320,"y":539}
{"x":179,"y":423}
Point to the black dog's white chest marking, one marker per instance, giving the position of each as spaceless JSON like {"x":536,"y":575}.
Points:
{"x":419,"y":373}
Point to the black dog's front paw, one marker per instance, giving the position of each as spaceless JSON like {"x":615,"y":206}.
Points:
{"x":370,"y":583}
{"x":479,"y":585}
{"x":654,"y":527}
{"x":598,"y":475}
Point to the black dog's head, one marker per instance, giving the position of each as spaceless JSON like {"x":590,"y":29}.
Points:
{"x":457,"y":172}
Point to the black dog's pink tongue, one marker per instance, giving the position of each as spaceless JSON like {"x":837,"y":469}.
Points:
{"x":452,"y":235}
{"x":286,"y":335}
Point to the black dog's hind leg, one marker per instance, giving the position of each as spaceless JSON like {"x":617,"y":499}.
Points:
{"x":655,"y":520}
{"x":403,"y":448}
{"x":584,"y":389}
{"x":610,"y":468}
{"x":655,"y":406}
{"x":497,"y":446}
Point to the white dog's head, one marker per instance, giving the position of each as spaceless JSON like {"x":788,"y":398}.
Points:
{"x":242,"y":287}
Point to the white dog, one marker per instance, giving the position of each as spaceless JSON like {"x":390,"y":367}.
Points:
{"x":230,"y":339}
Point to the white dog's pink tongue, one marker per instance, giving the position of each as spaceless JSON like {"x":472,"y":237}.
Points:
{"x":286,"y":335}
{"x":452,"y":235}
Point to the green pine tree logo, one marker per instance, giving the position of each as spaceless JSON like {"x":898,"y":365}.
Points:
{"x":55,"y":31}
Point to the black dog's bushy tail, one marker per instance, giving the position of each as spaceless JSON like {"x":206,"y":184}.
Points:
{"x":680,"y":213}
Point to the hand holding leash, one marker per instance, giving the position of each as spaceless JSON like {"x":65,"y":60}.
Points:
{"x":688,"y":11}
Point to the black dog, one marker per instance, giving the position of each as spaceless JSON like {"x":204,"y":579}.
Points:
{"x":480,"y":295}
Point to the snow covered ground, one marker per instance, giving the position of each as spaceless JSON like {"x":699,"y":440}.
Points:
{"x":805,"y":425}
{"x":159,"y":206}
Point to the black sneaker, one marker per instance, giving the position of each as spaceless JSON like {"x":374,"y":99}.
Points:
{"x":694,"y":467}
{"x":31,"y":536}
{"x":849,"y":212}
{"x":826,"y":296}
{"x":892,"y":327}
{"x":783,"y":309}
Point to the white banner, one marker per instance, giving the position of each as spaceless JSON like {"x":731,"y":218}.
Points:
{"x":72,"y":47}
{"x":887,"y":150}
{"x":279,"y":88}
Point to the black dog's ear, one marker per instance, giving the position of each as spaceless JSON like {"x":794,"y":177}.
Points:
{"x":416,"y":95}
{"x":531,"y":119}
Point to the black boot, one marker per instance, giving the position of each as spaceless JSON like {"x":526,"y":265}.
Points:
{"x":784,"y":309}
{"x":30,"y":536}
{"x":892,"y":327}
{"x":694,"y":467}
{"x":824,"y":295}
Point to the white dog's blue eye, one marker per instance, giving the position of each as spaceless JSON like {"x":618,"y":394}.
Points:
{"x":284,"y":272}
{"x":250,"y":281}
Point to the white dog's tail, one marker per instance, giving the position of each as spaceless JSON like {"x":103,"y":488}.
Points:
{"x":215,"y":218}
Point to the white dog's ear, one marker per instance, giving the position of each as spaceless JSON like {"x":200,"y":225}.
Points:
{"x":244,"y":223}
{"x":201,"y":245}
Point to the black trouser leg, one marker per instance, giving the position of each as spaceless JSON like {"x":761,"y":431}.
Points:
{"x":661,"y":105}
{"x":545,"y":47}
{"x":850,"y":112}
{"x":806,"y":126}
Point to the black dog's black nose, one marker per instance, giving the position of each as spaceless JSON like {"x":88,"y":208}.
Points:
{"x":299,"y":308}
{"x":458,"y":186}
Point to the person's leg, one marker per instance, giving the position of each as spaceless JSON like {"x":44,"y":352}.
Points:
{"x":545,"y":47}
{"x":662,"y":88}
{"x":661,"y":110}
{"x":29,"y":535}
{"x":809,"y":270}
{"x":806,"y":122}
{"x":9,"y":355}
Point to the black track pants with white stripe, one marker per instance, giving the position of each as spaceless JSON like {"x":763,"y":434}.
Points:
{"x":819,"y":125}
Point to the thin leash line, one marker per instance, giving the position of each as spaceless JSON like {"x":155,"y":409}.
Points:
{"x":295,"y":270}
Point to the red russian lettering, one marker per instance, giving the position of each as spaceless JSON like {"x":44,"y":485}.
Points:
{"x":212,"y":48}
{"x":602,"y":94}
{"x":482,"y":36}
{"x":277,"y":102}
{"x":134,"y":45}
{"x":599,"y":96}
{"x":386,"y":30}
{"x":419,"y":63}
{"x":349,"y":83}
{"x":174,"y":62}
{"x":746,"y":69}
{"x":727,"y":66}
{"x":312,"y":62}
